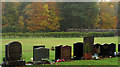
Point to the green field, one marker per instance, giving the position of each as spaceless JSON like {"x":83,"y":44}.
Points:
{"x":27,"y":47}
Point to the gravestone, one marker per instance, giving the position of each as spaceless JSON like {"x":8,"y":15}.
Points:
{"x":13,"y":54}
{"x":58,"y":52}
{"x":97,"y":48}
{"x":104,"y":50}
{"x":78,"y":50}
{"x":89,"y":40}
{"x":37,"y":46}
{"x":112,"y":49}
{"x":13,"y":51}
{"x":66,"y":52}
{"x":39,"y":54}
{"x":119,"y":47}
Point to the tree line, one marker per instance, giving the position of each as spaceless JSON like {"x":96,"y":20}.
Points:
{"x":58,"y":16}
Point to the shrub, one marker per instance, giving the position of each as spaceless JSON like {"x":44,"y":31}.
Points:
{"x":58,"y":34}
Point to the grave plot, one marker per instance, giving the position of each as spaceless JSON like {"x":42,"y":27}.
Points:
{"x":13,"y":54}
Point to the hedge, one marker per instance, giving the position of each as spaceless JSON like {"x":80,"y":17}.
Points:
{"x":58,"y":34}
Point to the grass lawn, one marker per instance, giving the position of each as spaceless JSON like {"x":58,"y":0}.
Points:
{"x":27,"y":47}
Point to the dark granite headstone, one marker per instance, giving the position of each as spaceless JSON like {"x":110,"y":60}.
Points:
{"x":119,"y":47}
{"x":112,"y":49}
{"x":104,"y":50}
{"x":58,"y":52}
{"x":66,"y":52}
{"x":13,"y":54}
{"x":40,"y":53}
{"x":78,"y":50}
{"x":13,"y":51}
{"x":89,"y":40}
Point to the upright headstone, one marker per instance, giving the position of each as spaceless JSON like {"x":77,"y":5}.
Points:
{"x":13,"y":51}
{"x":119,"y":47}
{"x":58,"y":52}
{"x":104,"y":51}
{"x":90,"y":41}
{"x":66,"y":52}
{"x":13,"y":54}
{"x":37,"y":46}
{"x":97,"y":48}
{"x":88,"y":47}
{"x":112,"y":49}
{"x":39,"y":54}
{"x":78,"y":50}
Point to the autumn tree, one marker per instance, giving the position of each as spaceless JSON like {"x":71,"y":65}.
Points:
{"x":107,"y":17}
{"x":42,"y":16}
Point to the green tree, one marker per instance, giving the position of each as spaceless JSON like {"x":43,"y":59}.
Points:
{"x":80,"y":15}
{"x":10,"y":16}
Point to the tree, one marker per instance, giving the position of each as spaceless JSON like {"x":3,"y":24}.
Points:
{"x":80,"y":15}
{"x":107,"y":18}
{"x":42,"y":16}
{"x":10,"y":16}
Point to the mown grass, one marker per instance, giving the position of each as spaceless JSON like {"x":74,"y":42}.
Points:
{"x":27,"y":47}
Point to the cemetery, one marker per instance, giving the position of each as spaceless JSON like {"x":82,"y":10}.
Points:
{"x":86,"y":50}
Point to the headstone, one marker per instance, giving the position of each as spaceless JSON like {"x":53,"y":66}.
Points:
{"x":13,"y":51}
{"x":66,"y":52}
{"x":63,"y":52}
{"x":38,"y":46}
{"x":88,"y":47}
{"x":78,"y":50}
{"x":119,"y":47}
{"x":89,"y":40}
{"x":104,"y":50}
{"x":112,"y":49}
{"x":39,"y":54}
{"x":97,"y":48}
{"x":13,"y":54}
{"x":58,"y":52}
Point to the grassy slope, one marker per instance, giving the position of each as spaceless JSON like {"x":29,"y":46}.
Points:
{"x":27,"y":44}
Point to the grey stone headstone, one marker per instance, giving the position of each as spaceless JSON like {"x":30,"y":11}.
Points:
{"x":40,"y":53}
{"x":13,"y":51}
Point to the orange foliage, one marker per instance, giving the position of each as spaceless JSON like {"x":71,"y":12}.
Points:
{"x":42,"y":16}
